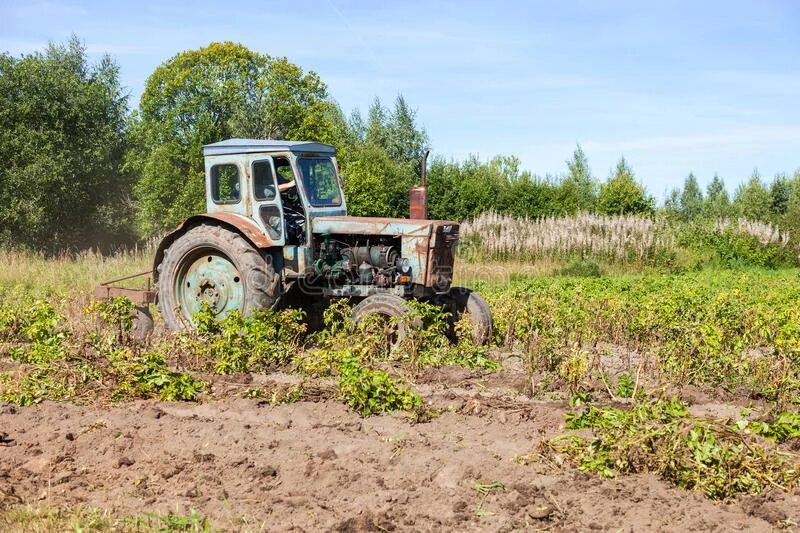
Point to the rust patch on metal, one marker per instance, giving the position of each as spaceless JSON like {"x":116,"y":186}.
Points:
{"x":106,"y":291}
{"x":137,"y":296}
{"x":248,"y":228}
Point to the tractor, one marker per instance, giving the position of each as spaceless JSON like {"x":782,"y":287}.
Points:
{"x":276,"y":233}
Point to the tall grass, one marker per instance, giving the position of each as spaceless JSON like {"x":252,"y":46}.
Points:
{"x":622,"y":239}
{"x":614,"y":238}
{"x":763,"y":232}
{"x":71,"y":273}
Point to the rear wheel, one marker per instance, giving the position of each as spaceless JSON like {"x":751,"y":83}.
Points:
{"x":213,"y":266}
{"x":461,"y":302}
{"x":391,"y":307}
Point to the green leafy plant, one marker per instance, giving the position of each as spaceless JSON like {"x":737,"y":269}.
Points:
{"x":116,"y":314}
{"x":263,"y":340}
{"x":371,"y":391}
{"x":625,"y":385}
{"x":661,"y":437}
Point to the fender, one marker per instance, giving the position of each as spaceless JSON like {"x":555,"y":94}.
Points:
{"x":237,"y":223}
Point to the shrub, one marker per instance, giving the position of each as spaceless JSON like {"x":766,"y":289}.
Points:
{"x":265,"y":339}
{"x":371,"y":391}
{"x":662,"y":438}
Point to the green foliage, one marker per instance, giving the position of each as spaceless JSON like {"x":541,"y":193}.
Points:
{"x":371,"y":391}
{"x":585,"y":268}
{"x":173,"y":522}
{"x":691,"y":199}
{"x":717,"y":203}
{"x":660,"y":437}
{"x":381,"y":160}
{"x":622,"y":195}
{"x":462,"y":190}
{"x":780,"y":190}
{"x":147,"y":375}
{"x":430,"y":345}
{"x":263,"y":340}
{"x":784,"y":427}
{"x":374,"y":185}
{"x":752,"y":199}
{"x":117,"y":314}
{"x":36,"y":331}
{"x":732,"y":248}
{"x":700,"y":327}
{"x":58,"y":364}
{"x":577,"y":191}
{"x":61,"y":144}
{"x":625,"y":386}
{"x":38,"y":384}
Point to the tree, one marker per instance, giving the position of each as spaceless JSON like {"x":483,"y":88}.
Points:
{"x":792,"y":217}
{"x":717,"y":203}
{"x":396,"y":132}
{"x":406,"y":142}
{"x":206,"y":95}
{"x":691,"y":199}
{"x":752,"y":200}
{"x":381,"y":159}
{"x":374,"y":185}
{"x":780,"y":190}
{"x":622,"y":195}
{"x":61,"y":144}
{"x":279,"y":99}
{"x":672,"y":203}
{"x":577,"y":191}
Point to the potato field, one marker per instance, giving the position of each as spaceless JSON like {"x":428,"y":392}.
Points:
{"x":614,"y":402}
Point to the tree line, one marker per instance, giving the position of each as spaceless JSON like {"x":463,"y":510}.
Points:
{"x":78,"y":169}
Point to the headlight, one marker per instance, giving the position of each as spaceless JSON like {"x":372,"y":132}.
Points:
{"x":405,"y":265}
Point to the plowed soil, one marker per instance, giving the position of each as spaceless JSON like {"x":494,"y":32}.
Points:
{"x":316,"y":466}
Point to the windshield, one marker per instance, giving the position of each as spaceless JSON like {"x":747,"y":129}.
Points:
{"x":319,"y":180}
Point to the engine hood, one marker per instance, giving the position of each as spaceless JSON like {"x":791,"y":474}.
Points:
{"x":345,"y":225}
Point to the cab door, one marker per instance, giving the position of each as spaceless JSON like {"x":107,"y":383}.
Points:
{"x":267,"y":209}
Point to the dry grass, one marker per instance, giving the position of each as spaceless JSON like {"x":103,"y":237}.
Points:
{"x":70,"y":274}
{"x":616,"y":238}
{"x":764,"y":232}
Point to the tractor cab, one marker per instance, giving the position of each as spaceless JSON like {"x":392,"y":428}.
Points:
{"x":280,"y":185}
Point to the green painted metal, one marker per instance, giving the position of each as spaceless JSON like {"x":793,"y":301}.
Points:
{"x":210,"y":278}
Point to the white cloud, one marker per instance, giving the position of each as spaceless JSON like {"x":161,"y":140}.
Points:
{"x":739,"y":135}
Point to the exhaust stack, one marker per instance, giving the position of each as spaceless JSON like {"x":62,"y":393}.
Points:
{"x":418,"y":196}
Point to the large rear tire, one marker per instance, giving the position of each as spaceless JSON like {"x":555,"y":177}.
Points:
{"x":460,"y":302}
{"x":212,"y":265}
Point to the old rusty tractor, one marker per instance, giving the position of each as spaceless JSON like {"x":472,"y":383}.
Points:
{"x":276,"y":232}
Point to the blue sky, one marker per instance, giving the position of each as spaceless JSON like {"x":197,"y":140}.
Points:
{"x":675,"y":86}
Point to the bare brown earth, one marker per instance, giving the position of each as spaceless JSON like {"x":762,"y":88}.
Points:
{"x":316,"y":466}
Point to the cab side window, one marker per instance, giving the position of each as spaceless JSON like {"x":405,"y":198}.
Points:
{"x":225,"y":184}
{"x":263,"y":181}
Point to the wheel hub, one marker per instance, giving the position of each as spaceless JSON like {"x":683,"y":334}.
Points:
{"x":210,"y":279}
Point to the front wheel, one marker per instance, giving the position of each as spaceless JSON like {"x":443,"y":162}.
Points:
{"x":461,"y":302}
{"x":392,"y":308}
{"x":210,"y":265}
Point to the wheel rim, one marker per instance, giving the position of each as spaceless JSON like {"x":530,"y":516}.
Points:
{"x":208,"y":277}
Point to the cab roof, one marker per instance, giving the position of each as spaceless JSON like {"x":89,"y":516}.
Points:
{"x":249,"y":146}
